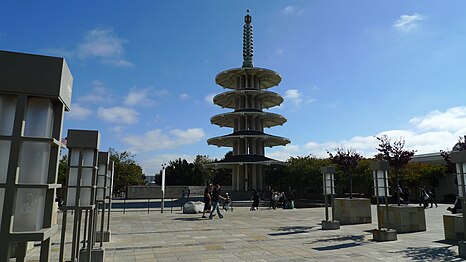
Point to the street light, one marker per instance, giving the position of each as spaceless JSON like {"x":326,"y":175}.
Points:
{"x":101,"y":194}
{"x":381,"y":190}
{"x":164,"y":166}
{"x":34,"y":93}
{"x":459,"y":158}
{"x":83,"y":147}
{"x":328,"y":180}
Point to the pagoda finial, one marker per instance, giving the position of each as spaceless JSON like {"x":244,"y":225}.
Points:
{"x":248,"y":49}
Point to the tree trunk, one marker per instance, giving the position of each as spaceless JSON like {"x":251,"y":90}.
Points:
{"x":397,"y":187}
{"x":351,"y":186}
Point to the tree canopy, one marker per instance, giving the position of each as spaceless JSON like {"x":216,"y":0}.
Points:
{"x":126,"y":171}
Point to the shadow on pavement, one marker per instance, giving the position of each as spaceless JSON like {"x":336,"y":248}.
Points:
{"x":359,"y":238}
{"x":430,"y":254}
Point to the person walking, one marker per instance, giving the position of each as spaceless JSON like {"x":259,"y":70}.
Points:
{"x":207,"y":199}
{"x":255,"y":201}
{"x":215,"y":202}
{"x":432,"y":197}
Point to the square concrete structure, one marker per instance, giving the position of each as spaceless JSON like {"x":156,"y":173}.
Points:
{"x":453,"y":226}
{"x":382,"y":235}
{"x":352,"y":211}
{"x":330,"y":225}
{"x":106,"y":236}
{"x":403,"y":218}
{"x":97,"y":255}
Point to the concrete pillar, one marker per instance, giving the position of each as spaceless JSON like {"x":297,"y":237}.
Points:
{"x":254,"y":177}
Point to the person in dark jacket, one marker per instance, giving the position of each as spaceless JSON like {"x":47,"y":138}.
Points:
{"x":215,"y":202}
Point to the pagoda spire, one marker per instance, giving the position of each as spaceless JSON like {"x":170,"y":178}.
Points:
{"x":248,"y":49}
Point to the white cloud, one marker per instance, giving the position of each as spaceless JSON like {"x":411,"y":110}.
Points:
{"x":153,"y":165}
{"x":453,"y":119}
{"x":430,"y":133}
{"x":117,"y":114}
{"x":279,"y":51}
{"x":118,"y":62}
{"x":99,"y":94}
{"x":210,"y":98}
{"x":159,"y":139}
{"x":291,"y":10}
{"x":139,"y":97}
{"x":78,"y":112}
{"x":407,"y":23}
{"x":297,"y":98}
{"x":101,"y":43}
{"x":184,"y":97}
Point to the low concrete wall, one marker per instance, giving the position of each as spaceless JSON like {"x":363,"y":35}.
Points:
{"x":453,"y":226}
{"x":352,"y":211}
{"x":403,"y":218}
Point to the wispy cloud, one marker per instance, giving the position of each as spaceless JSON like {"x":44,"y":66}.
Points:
{"x":99,"y":93}
{"x":184,"y":97}
{"x":139,"y":97}
{"x":297,"y":98}
{"x":152,"y":166}
{"x":430,"y":133}
{"x":78,"y":112}
{"x":291,"y":10}
{"x":408,"y":23}
{"x":159,"y":139}
{"x":98,"y":43}
{"x":210,"y":98}
{"x":117,"y":114}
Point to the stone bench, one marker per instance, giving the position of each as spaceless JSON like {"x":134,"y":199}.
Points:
{"x":403,"y":219}
{"x":453,"y":226}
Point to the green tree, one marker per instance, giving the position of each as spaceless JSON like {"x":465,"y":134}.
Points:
{"x":62,"y":170}
{"x":126,"y":171}
{"x":396,"y":156}
{"x":417,"y":173}
{"x":346,"y":160}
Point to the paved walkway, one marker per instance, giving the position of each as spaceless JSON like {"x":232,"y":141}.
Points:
{"x":264,"y":235}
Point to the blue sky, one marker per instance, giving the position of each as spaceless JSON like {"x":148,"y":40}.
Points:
{"x":351,"y":70}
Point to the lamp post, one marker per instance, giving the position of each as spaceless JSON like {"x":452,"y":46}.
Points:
{"x":459,"y":158}
{"x":109,"y":195}
{"x":381,"y":190}
{"x":328,"y":180}
{"x":34,"y":93}
{"x":80,"y":196}
{"x":101,"y":193}
{"x":162,"y":205}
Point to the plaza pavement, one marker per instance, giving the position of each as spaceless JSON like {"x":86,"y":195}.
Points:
{"x":264,"y":235}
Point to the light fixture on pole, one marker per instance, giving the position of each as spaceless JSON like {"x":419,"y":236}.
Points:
{"x":328,"y":179}
{"x":34,"y":93}
{"x":83,"y":148}
{"x":162,"y":204}
{"x":459,"y":158}
{"x":381,"y":191}
{"x":101,"y":194}
{"x":109,"y":193}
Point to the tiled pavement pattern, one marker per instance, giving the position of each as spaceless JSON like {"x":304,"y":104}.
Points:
{"x":264,"y":235}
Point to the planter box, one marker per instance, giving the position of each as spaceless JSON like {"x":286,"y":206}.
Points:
{"x":453,"y":226}
{"x":330,"y":225}
{"x":384,"y":234}
{"x":106,"y":236}
{"x":352,"y":211}
{"x":403,"y":219}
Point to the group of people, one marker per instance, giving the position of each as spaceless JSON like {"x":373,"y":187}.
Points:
{"x":286,"y":200}
{"x":212,"y":199}
{"x":426,"y":196}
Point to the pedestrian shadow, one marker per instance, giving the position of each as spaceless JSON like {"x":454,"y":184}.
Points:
{"x":189,"y":219}
{"x":430,"y":254}
{"x":356,"y":240}
{"x":290,"y":230}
